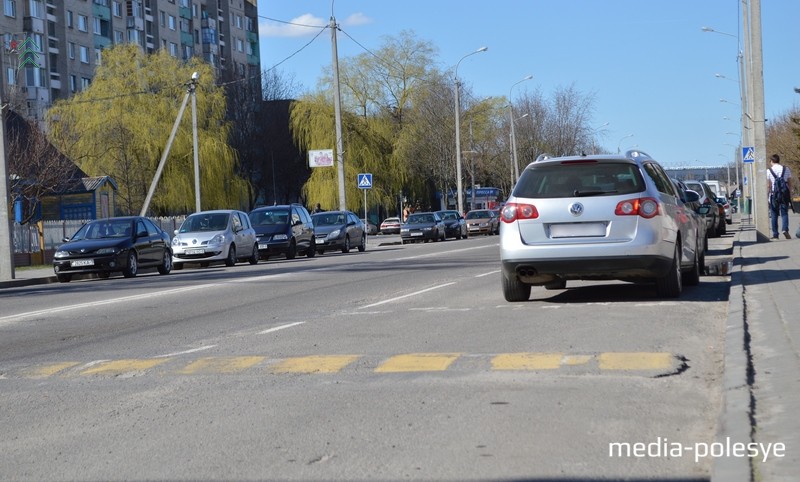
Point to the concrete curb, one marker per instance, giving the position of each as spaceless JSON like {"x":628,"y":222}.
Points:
{"x":734,"y":421}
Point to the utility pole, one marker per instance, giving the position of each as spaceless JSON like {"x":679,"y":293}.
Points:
{"x":337,"y":110}
{"x":193,"y":90}
{"x":6,"y":245}
{"x":759,"y":128}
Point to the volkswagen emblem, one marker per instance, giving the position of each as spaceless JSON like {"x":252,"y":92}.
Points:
{"x":576,"y":209}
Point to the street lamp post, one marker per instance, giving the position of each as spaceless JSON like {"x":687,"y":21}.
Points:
{"x":513,"y":138}
{"x":514,"y":146}
{"x":619,"y":144}
{"x":459,"y":187}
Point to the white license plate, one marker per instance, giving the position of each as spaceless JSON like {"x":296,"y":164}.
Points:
{"x":194,"y":251}
{"x":416,"y":234}
{"x":263,"y":246}
{"x":82,"y":262}
{"x":570,"y":230}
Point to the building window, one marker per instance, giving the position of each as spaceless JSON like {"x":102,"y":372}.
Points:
{"x":71,"y":50}
{"x":84,"y":54}
{"x":119,"y":37}
{"x":239,"y":45}
{"x":69,"y":19}
{"x":98,"y":56}
{"x":97,"y":28}
{"x":83,"y":23}
{"x":11,"y":75}
{"x":173,"y":49}
{"x":36,"y":9}
{"x":171,"y":22}
{"x":10,"y":8}
{"x":162,"y":18}
{"x":73,"y":83}
{"x":85,"y":83}
{"x":116,"y":8}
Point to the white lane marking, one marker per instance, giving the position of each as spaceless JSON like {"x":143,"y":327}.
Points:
{"x":487,"y":274}
{"x":282,"y":327}
{"x":440,"y":254}
{"x":91,"y":304}
{"x":186,"y":352}
{"x":390,"y":300}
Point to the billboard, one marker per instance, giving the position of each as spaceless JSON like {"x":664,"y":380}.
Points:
{"x":320,"y":158}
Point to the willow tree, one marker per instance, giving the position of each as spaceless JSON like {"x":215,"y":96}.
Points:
{"x":120,"y":124}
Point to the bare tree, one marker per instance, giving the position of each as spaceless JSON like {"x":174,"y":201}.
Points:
{"x":36,"y":168}
{"x":783,"y":138}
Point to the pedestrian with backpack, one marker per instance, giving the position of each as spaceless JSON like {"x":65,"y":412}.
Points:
{"x":779,"y":187}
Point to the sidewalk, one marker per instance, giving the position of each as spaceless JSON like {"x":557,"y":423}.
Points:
{"x":762,"y":358}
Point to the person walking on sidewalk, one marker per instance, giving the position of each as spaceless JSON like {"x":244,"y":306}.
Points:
{"x":778,"y":205}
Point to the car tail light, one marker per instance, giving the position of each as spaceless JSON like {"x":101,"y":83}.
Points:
{"x":514,"y":211}
{"x":645,"y":207}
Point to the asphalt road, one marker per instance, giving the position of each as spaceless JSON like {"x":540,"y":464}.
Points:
{"x":402,"y":362}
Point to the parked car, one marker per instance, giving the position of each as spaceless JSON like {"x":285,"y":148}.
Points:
{"x":426,"y":226}
{"x":455,"y":226}
{"x":105,"y":246}
{"x":284,"y":230}
{"x":600,"y":217}
{"x":708,"y":197}
{"x":338,"y":230}
{"x":483,"y":221}
{"x":697,"y":212}
{"x":390,"y":226}
{"x":211,"y":236}
{"x":372,"y":229}
{"x":728,"y":208}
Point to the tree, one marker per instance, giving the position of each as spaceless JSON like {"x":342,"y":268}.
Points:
{"x":36,"y":168}
{"x":119,"y":127}
{"x":783,"y":138}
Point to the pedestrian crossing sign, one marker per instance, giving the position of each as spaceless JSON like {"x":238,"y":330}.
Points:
{"x":365,"y":180}
{"x":748,"y":154}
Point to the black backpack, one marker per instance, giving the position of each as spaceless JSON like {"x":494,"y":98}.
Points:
{"x":780,"y":195}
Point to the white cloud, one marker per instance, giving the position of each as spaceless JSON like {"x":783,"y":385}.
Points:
{"x":356,"y":19}
{"x":303,"y":26}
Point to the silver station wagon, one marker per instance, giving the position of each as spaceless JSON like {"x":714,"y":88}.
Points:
{"x":600,"y":217}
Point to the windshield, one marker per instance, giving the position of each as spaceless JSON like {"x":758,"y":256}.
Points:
{"x":205,"y":222}
{"x":269,"y":217}
{"x":448,"y":216}
{"x":104,"y":229}
{"x":478,"y":215}
{"x":420,"y":219}
{"x":558,"y":180}
{"x":328,"y":219}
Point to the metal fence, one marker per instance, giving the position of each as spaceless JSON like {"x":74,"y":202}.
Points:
{"x":26,"y":236}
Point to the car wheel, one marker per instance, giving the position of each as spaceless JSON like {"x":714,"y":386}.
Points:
{"x":701,"y":262}
{"x":231,"y":259}
{"x":132,"y":269}
{"x":291,"y":253}
{"x":722,"y":229}
{"x":692,"y":277}
{"x":363,"y":245}
{"x":64,"y":278}
{"x":253,"y":259}
{"x":312,"y":249}
{"x":166,"y":264}
{"x":669,"y":285}
{"x":346,"y":247}
{"x":514,"y":289}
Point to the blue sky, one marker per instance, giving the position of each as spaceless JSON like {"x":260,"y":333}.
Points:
{"x":648,"y":64}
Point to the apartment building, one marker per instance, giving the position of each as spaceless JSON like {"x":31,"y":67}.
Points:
{"x":50,"y":48}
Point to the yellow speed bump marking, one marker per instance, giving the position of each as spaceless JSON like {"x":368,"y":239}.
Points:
{"x":418,"y":362}
{"x":49,"y":370}
{"x":314,"y":364}
{"x":635,"y":361}
{"x":527,"y":361}
{"x":118,"y":367}
{"x":221,"y":364}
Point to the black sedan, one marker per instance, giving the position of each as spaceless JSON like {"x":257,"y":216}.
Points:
{"x":455,"y":226}
{"x":422,"y":227}
{"x":104,"y":246}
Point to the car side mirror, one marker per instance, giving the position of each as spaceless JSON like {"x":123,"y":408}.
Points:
{"x":704,"y":209}
{"x":65,"y":240}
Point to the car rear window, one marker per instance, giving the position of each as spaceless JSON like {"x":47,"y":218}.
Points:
{"x":556,"y":180}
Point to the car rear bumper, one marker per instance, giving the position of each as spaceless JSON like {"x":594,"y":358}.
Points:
{"x":541,"y":271}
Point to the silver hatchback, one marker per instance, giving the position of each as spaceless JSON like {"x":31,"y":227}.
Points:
{"x":603,"y":217}
{"x":210,"y":236}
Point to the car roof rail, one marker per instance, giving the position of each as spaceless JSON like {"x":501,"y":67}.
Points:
{"x":543,"y":157}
